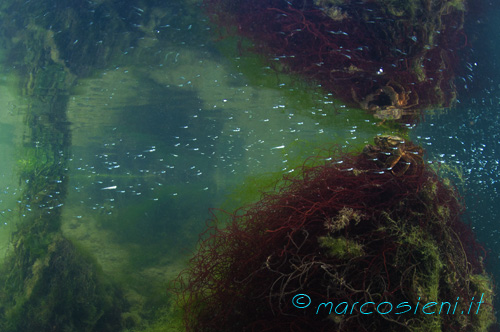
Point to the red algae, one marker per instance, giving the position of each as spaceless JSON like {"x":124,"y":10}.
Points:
{"x":388,"y":57}
{"x":344,"y":232}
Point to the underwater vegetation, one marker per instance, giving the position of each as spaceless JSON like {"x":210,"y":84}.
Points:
{"x":377,"y":226}
{"x":48,"y":283}
{"x":53,"y":286}
{"x":347,"y":230}
{"x":391,"y":58}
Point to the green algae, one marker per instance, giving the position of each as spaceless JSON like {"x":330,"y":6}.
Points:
{"x":57,"y":286}
{"x":340,"y":247}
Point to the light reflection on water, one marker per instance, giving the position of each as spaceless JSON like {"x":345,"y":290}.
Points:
{"x":140,"y":137}
{"x":469,"y":141}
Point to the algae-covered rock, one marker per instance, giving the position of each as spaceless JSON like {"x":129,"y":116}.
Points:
{"x":50,"y":285}
{"x":343,"y":246}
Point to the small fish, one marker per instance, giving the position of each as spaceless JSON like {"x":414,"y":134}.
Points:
{"x":109,"y":188}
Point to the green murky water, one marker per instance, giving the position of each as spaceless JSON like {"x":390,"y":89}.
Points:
{"x":170,"y":124}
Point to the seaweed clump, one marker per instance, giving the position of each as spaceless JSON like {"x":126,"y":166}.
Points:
{"x":392,"y":58}
{"x":344,"y":233}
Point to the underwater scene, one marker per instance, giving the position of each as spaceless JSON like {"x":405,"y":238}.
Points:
{"x":250,"y":165}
